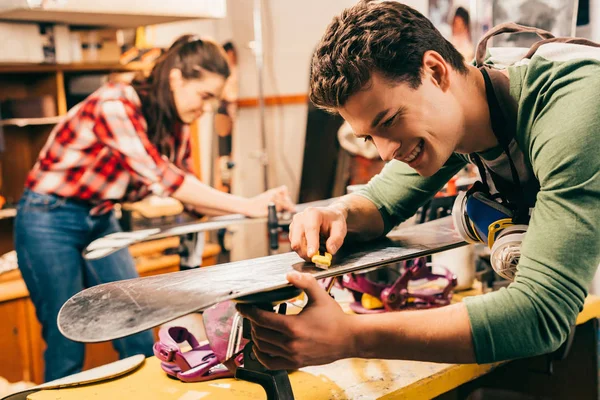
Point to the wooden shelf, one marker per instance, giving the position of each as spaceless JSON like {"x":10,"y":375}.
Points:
{"x":12,"y":68}
{"x":30,"y":121}
{"x":8,"y":213}
{"x":112,"y":13}
{"x":274,"y":100}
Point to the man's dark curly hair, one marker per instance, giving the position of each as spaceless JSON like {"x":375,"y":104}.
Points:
{"x":374,"y":36}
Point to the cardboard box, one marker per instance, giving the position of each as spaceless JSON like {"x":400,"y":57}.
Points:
{"x":29,"y":107}
{"x":21,"y":43}
{"x":100,"y":46}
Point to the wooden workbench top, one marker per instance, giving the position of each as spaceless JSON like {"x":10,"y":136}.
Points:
{"x":12,"y":286}
{"x":343,"y":379}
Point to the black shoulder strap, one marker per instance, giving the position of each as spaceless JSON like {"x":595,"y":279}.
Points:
{"x":504,"y":133}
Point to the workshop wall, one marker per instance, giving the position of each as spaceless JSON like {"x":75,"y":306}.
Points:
{"x":291,"y":30}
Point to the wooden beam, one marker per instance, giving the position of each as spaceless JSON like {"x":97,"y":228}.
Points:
{"x":274,"y":100}
{"x":74,"y":67}
{"x":196,"y":149}
{"x":61,"y":94}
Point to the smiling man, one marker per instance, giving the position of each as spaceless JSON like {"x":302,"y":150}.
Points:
{"x":532,"y":127}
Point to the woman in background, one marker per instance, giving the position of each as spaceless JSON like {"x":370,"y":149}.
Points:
{"x":122,"y":143}
{"x":224,"y":122}
{"x":461,"y":34}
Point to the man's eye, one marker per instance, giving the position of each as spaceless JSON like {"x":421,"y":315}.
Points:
{"x":368,"y":139}
{"x":389,"y":122}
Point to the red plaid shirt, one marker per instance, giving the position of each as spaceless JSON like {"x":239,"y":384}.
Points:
{"x":101,"y":153}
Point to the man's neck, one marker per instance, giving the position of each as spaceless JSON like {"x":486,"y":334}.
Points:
{"x":478,"y":134}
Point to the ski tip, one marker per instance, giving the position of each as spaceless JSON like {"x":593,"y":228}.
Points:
{"x":98,"y":253}
{"x":109,"y":244}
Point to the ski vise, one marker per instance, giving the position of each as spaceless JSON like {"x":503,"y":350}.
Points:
{"x":275,"y":383}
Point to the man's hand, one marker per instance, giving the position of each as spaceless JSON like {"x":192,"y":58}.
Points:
{"x":258,"y":205}
{"x":319,"y":334}
{"x":310,"y":225}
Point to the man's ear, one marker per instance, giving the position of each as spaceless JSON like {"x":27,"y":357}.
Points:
{"x":175,"y":78}
{"x":437,"y":69}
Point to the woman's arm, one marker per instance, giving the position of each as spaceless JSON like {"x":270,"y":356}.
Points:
{"x":120,"y":127}
{"x":211,"y":201}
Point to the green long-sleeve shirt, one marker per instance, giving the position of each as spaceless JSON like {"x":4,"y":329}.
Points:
{"x":558,"y":130}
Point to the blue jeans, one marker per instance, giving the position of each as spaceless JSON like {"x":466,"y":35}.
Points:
{"x":50,"y":235}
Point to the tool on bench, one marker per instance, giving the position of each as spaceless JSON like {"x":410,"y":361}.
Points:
{"x":191,"y":248}
{"x":275,"y":383}
{"x":273,"y":227}
{"x":229,"y":351}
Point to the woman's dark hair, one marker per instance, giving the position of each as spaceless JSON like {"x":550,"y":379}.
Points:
{"x":227,"y":46}
{"x":463,"y":14}
{"x":192,"y":56}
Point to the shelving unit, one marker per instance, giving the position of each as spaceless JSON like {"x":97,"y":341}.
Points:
{"x":8,"y":213}
{"x":22,"y":122}
{"x":20,"y":338}
{"x":111,"y":13}
{"x":55,"y":68}
{"x":21,"y":343}
{"x":24,"y":137}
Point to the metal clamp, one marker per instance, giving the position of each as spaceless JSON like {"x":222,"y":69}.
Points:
{"x":275,"y":383}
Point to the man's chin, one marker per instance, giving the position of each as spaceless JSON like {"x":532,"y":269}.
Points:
{"x":425,"y":174}
{"x":426,"y":171}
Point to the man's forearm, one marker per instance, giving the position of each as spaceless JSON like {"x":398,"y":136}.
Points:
{"x":438,"y":335}
{"x":363,"y":220}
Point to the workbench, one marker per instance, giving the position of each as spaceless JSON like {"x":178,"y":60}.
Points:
{"x":379,"y":379}
{"x":21,"y":343}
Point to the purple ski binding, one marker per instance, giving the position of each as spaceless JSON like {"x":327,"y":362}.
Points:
{"x":219,"y":358}
{"x":402,"y":293}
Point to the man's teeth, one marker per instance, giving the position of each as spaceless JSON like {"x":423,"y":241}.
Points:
{"x":414,"y":153}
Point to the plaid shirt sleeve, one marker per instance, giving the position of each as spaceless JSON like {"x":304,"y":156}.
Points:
{"x":121,"y":126}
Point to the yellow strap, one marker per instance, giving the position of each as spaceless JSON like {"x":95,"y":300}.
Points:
{"x":495,"y":228}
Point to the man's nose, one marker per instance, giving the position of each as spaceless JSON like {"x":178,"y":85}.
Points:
{"x":386,"y":148}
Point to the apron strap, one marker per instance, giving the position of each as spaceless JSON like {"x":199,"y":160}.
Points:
{"x":569,"y":40}
{"x":508,"y":27}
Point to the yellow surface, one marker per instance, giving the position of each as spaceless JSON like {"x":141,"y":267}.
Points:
{"x":591,"y":309}
{"x":344,"y":379}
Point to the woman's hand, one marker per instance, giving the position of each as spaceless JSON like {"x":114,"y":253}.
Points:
{"x":258,"y":205}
